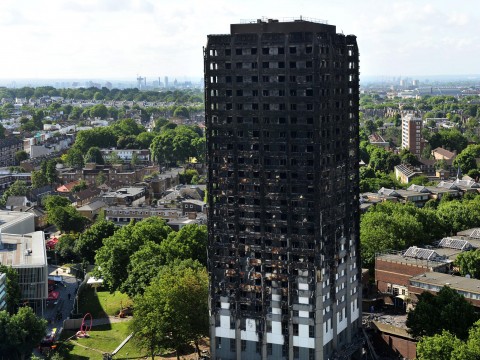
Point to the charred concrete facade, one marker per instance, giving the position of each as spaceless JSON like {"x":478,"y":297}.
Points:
{"x":282,"y":141}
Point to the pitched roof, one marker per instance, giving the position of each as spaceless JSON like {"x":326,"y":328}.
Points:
{"x":67,"y":187}
{"x":444,"y":152}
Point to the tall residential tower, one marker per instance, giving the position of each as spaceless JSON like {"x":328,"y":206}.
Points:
{"x":282,"y":140}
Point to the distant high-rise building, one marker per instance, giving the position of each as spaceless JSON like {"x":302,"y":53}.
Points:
{"x":281,"y":105}
{"x":412,"y":134}
{"x":166,"y":81}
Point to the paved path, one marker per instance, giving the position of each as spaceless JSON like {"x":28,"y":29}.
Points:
{"x":57,"y":311}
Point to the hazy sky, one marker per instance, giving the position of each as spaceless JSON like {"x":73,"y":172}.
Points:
{"x":123,"y":38}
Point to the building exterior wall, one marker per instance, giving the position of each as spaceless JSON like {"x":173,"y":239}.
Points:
{"x":412,"y":134}
{"x":8,"y":148}
{"x":407,"y":348}
{"x":396,"y":273}
{"x":282,"y":147}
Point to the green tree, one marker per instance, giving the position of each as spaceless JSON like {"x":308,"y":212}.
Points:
{"x":113,"y":258}
{"x":101,"y":178}
{"x":458,"y":215}
{"x":18,"y":188}
{"x":188,"y":243}
{"x":74,"y":158}
{"x":145,"y":139}
{"x":187,"y":175}
{"x":438,"y":347}
{"x":127,"y":127}
{"x":82,"y":185}
{"x":143,"y":268}
{"x":448,"y":310}
{"x":181,"y":111}
{"x":173,"y":311}
{"x":49,"y":170}
{"x":38,"y":179}
{"x":99,"y":111}
{"x":20,"y":156}
{"x":67,"y":218}
{"x":469,"y":263}
{"x":12,"y":287}
{"x":94,"y":155}
{"x":66,"y":247}
{"x":91,"y":239}
{"x":50,"y":202}
{"x":396,"y":226}
{"x":20,"y":333}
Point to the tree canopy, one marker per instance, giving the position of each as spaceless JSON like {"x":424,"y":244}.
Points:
{"x":114,"y":257}
{"x":20,"y":333}
{"x":173,"y":311}
{"x":12,"y":287}
{"x":448,"y":310}
{"x":396,"y":226}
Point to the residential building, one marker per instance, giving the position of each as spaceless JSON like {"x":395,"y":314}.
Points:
{"x":394,"y":269}
{"x":7,"y":178}
{"x":92,"y":210}
{"x":443,"y":154}
{"x":281,"y":107}
{"x":126,"y":155}
{"x":193,"y":206}
{"x":412,"y":134}
{"x":405,"y":173}
{"x":8,"y":148}
{"x":133,"y":196}
{"x":433,"y":282}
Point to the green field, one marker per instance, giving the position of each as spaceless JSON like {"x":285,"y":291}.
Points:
{"x":103,"y":338}
{"x":102,"y":303}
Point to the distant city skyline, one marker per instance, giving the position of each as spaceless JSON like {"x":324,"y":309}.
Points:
{"x":118,"y":39}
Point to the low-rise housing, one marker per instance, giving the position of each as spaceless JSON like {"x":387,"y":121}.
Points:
{"x":133,"y":196}
{"x":405,"y":173}
{"x":443,"y":154}
{"x":433,"y":282}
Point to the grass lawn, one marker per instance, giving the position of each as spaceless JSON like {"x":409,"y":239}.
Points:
{"x":103,"y":338}
{"x":102,"y":303}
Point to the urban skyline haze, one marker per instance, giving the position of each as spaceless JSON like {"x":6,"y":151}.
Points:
{"x":118,"y":39}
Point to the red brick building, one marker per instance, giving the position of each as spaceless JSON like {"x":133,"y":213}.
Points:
{"x":393,"y":270}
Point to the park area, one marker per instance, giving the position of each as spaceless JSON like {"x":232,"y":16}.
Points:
{"x":111,"y":331}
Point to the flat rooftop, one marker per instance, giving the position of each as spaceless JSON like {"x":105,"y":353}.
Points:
{"x":23,"y":250}
{"x":284,"y":25}
{"x":455,"y":282}
{"x":401,"y":259}
{"x":124,"y":192}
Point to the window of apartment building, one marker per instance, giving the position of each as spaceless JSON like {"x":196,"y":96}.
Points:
{"x":293,"y":50}
{"x":296,"y":352}
{"x":295,"y":329}
{"x":232,"y":345}
{"x":244,"y":345}
{"x":269,"y":349}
